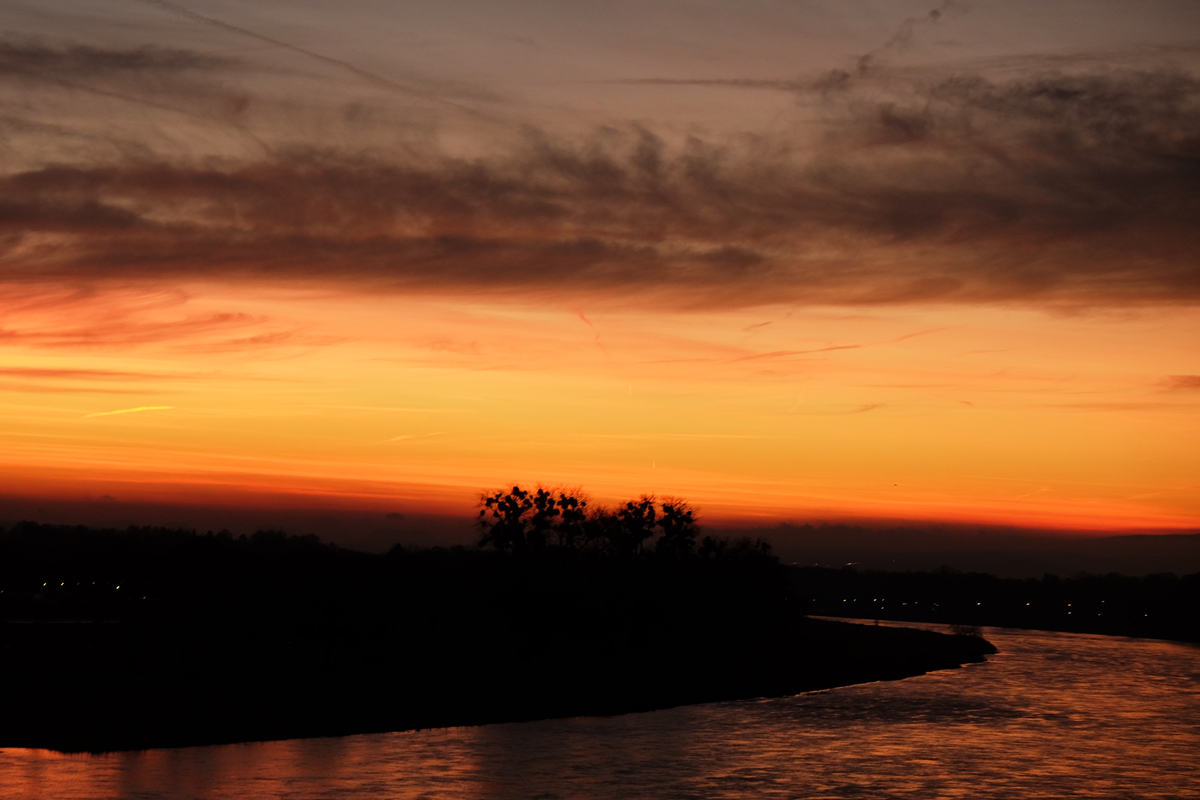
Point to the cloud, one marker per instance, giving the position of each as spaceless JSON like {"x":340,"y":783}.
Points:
{"x":1182,"y":383}
{"x":372,"y":78}
{"x":91,"y":381}
{"x":786,"y":353}
{"x":36,"y":59}
{"x":76,"y":318}
{"x":126,"y":328}
{"x":1039,"y":187}
{"x":74,"y":374}
{"x":404,"y":437}
{"x":137,"y":410}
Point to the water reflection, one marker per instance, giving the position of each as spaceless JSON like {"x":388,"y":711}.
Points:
{"x":1051,"y":715}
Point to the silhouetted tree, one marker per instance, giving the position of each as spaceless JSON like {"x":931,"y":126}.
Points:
{"x":503,"y":520}
{"x":713,"y":548}
{"x":635,"y":523}
{"x":678,"y":524}
{"x":519,"y":521}
{"x":541,"y":522}
{"x":572,"y":519}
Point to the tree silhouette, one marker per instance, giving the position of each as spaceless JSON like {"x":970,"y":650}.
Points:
{"x":504,"y":528}
{"x":678,"y":523}
{"x":520,"y":522}
{"x":572,"y":520}
{"x":635,"y":523}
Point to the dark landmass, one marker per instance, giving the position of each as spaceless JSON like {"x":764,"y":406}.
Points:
{"x":1164,"y":606}
{"x":156,"y":638}
{"x":1005,"y":552}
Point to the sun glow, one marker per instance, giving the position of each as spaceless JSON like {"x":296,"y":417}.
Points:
{"x":759,"y":415}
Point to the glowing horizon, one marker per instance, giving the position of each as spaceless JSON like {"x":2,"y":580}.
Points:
{"x":266,"y":257}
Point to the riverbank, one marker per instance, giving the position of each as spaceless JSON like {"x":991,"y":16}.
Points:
{"x":1151,"y":607}
{"x":97,"y":687}
{"x":143,"y":638}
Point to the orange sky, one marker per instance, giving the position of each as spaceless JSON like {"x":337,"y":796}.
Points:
{"x":775,"y":412}
{"x":931,"y":263}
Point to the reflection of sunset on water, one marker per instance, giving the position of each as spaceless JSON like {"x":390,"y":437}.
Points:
{"x":894,"y":284}
{"x":1052,"y":715}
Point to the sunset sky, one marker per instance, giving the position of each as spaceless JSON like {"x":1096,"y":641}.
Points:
{"x":791,"y":261}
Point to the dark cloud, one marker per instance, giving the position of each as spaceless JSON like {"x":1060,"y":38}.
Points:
{"x":1053,"y":188}
{"x":1179,"y":383}
{"x":80,"y":61}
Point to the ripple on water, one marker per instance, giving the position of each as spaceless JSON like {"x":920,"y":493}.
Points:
{"x":1051,"y":715}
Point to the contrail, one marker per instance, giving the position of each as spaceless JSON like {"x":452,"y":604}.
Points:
{"x":370,"y":77}
{"x":128,"y":411}
{"x":402,"y":436}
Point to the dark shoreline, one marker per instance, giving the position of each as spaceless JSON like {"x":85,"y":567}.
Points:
{"x":1147,"y":607}
{"x":135,"y":710}
{"x":146,"y":638}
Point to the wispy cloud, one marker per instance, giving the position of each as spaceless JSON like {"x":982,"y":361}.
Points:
{"x":37,"y":59}
{"x":136,"y":410}
{"x":372,"y":78}
{"x":785,"y":353}
{"x":399,"y":409}
{"x":1182,"y":383}
{"x":406,"y":436}
{"x":78,"y":374}
{"x":667,"y":436}
{"x":1035,"y":186}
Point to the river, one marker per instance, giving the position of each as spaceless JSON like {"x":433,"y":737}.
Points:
{"x":1052,"y":715}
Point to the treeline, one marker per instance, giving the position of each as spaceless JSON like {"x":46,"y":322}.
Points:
{"x":169,"y":637}
{"x":642,"y":547}
{"x":1155,"y":606}
{"x":76,"y":572}
{"x":165,"y":635}
{"x":521,"y":522}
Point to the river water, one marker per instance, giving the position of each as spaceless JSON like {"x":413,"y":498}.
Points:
{"x":1053,"y":715}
